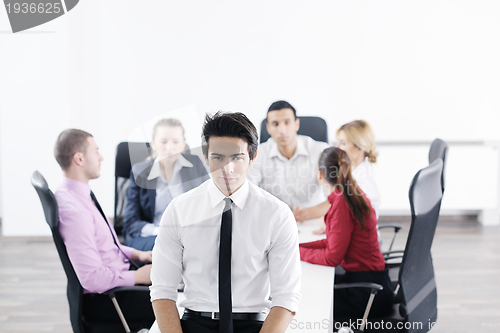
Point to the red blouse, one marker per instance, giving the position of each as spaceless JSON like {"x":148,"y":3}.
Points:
{"x":346,"y":244}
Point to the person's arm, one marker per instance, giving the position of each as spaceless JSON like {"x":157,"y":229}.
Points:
{"x":167,"y":316}
{"x":166,"y":272}
{"x":277,"y":321}
{"x":338,"y":237}
{"x":284,"y":271}
{"x":77,"y":228}
{"x":142,"y":256}
{"x":301,"y":214}
{"x":132,"y":223}
{"x":319,"y":244}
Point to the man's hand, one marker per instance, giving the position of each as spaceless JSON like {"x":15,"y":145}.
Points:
{"x":143,"y":275}
{"x":142,"y":256}
{"x":321,"y":230}
{"x":300,"y":213}
{"x":277,"y":320}
{"x":146,"y":257}
{"x":167,"y":316}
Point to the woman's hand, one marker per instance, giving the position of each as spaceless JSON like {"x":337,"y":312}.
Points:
{"x":321,"y":230}
{"x":300,"y":213}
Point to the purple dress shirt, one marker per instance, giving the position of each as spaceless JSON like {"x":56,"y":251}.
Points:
{"x":97,"y":261}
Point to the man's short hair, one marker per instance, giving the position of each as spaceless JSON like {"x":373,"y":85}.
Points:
{"x":68,"y":143}
{"x":280,"y":105}
{"x":235,"y":125}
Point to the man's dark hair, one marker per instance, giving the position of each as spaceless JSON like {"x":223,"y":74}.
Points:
{"x":280,"y":105}
{"x":68,"y":143}
{"x":234,"y":125}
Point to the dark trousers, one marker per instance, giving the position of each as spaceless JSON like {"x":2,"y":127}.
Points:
{"x":135,"y":305}
{"x":207,"y":325}
{"x":351,"y":303}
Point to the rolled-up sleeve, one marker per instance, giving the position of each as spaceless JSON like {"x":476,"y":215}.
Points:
{"x":284,"y":262}
{"x":167,"y":257}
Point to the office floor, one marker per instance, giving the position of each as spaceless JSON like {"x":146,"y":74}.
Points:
{"x":466,"y":260}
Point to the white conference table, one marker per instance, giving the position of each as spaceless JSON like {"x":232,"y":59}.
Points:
{"x":316,"y":306}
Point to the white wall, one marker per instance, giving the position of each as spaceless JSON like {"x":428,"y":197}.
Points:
{"x":416,"y":70}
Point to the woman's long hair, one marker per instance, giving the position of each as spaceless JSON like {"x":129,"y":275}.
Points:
{"x":335,"y":166}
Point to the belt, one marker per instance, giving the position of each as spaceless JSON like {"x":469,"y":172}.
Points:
{"x":258,"y":316}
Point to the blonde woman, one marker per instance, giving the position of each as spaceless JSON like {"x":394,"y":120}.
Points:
{"x":358,"y":141}
{"x":154,"y":183}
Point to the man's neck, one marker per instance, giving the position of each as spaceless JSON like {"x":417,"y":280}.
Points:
{"x":227,"y":191}
{"x":76,"y":176}
{"x":289,"y":150}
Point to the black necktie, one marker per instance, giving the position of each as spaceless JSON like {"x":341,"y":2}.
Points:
{"x":225,"y":301}
{"x":92,"y":195}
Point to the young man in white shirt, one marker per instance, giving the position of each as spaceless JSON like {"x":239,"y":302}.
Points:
{"x":287,"y":164}
{"x":262,"y":254}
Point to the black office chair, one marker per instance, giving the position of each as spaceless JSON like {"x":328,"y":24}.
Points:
{"x":314,"y":127}
{"x":127,"y":154}
{"x":416,"y":294}
{"x":74,"y":288}
{"x":439,"y":149}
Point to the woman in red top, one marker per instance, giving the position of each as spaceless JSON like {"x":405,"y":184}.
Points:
{"x":351,"y":241}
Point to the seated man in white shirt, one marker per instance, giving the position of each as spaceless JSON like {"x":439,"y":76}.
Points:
{"x":234,"y":244}
{"x":287,"y":163}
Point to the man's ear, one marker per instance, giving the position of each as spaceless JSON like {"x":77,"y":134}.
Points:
{"x":79,"y":158}
{"x":297,"y":124}
{"x":253,"y":159}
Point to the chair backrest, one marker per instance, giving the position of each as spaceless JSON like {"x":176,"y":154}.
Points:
{"x":74,"y":288}
{"x":439,"y":149}
{"x":416,"y":274}
{"x":127,"y":154}
{"x":315,"y":127}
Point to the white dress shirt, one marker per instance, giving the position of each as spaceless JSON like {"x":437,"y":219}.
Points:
{"x":363,"y":176}
{"x":291,"y":180}
{"x":265,"y":253}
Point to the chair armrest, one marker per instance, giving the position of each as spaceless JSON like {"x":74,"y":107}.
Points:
{"x":396,"y":228}
{"x":128,"y":288}
{"x":373,"y":286}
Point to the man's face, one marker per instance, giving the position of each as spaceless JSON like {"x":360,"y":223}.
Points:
{"x":229,"y":162}
{"x":283,"y":127}
{"x":92,"y":160}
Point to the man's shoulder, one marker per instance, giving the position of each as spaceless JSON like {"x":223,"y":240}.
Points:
{"x":67,"y":200}
{"x":311,"y":143}
{"x":265,"y":147}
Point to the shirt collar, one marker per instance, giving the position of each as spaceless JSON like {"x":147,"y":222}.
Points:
{"x":179,"y":164}
{"x":299,"y":150}
{"x":80,"y":188}
{"x":239,"y":197}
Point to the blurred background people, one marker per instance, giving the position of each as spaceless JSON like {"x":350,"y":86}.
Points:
{"x":351,"y":241}
{"x":285,"y":165}
{"x":155,"y":182}
{"x":358,"y":141}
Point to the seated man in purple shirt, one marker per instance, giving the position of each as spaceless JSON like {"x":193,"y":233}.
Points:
{"x":100,"y":261}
